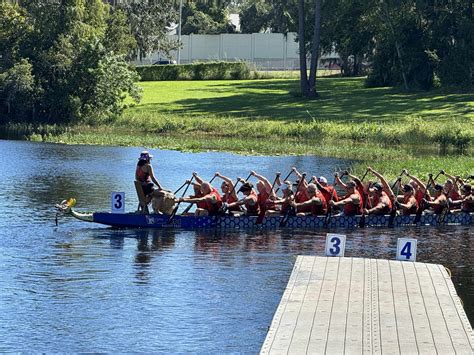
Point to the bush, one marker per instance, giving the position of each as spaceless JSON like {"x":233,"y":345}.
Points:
{"x":195,"y":71}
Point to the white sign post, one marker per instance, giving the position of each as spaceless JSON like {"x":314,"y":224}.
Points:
{"x":335,"y":244}
{"x":118,"y":202}
{"x":406,"y":249}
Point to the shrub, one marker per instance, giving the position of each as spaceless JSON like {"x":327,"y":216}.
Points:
{"x":195,"y":71}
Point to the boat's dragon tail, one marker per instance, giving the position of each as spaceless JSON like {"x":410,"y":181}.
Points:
{"x":66,"y":207}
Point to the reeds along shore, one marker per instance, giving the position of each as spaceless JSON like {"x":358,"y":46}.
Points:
{"x":390,"y":159}
{"x":382,"y":127}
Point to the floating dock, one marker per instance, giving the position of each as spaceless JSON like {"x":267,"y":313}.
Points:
{"x":337,"y":305}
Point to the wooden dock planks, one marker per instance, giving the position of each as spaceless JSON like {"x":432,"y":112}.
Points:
{"x":354,"y":306}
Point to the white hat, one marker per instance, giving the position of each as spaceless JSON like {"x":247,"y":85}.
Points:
{"x":145,"y":155}
{"x":322,"y":179}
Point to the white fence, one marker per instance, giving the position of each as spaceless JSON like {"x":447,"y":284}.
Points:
{"x":268,"y":51}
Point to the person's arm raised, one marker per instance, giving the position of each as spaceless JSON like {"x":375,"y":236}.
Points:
{"x":455,"y":180}
{"x":296,"y":172}
{"x":387,"y":188}
{"x":268,"y":186}
{"x":420,"y":183}
{"x":339,"y":181}
{"x":197,"y":178}
{"x":229,"y":182}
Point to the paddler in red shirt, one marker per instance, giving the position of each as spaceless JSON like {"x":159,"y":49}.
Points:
{"x":351,"y":202}
{"x":328,"y":191}
{"x":250,"y":199}
{"x":316,"y":202}
{"x":266,"y":194}
{"x":381,"y":202}
{"x":385,"y":186}
{"x":439,"y":202}
{"x":285,"y":202}
{"x":301,"y":195}
{"x":419,"y":188}
{"x":407,"y":202}
{"x":466,"y":202}
{"x":211,"y":199}
{"x":229,"y":194}
{"x":451,"y":188}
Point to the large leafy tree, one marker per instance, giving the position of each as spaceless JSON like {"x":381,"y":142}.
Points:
{"x":406,"y":42}
{"x":149,"y":23}
{"x":63,"y":69}
{"x":206,"y":17}
{"x":263,"y":15}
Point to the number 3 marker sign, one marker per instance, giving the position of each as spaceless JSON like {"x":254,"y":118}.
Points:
{"x":406,"y":249}
{"x":118,"y":202}
{"x":335,"y":244}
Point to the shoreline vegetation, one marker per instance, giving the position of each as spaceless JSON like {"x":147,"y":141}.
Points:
{"x":384,"y":127}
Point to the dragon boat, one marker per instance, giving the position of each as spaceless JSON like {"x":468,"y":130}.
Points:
{"x":140,"y":220}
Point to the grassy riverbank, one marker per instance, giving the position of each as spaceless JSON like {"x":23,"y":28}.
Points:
{"x":377,"y":126}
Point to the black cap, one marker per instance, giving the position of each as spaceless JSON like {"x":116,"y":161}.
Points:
{"x":378,"y":186}
{"x":466,"y":187}
{"x":407,"y":188}
{"x":246,"y":187}
{"x":351,"y":184}
{"x":438,"y":187}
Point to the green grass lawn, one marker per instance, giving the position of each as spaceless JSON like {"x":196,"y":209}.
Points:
{"x":345,"y":110}
{"x":340,"y":100}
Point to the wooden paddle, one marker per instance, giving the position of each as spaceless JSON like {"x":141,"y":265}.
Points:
{"x":173,"y":214}
{"x":419,"y":212}
{"x":180,"y":188}
{"x":286,"y":216}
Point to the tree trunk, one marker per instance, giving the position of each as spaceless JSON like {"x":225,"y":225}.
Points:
{"x":402,"y":67}
{"x":355,"y":67}
{"x":302,"y":49}
{"x":398,"y":48}
{"x":315,"y":49}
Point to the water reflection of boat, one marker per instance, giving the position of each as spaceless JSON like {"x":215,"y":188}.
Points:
{"x":135,"y":220}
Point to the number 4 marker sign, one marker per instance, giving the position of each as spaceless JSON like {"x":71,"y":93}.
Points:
{"x":406,"y":249}
{"x":335,"y":244}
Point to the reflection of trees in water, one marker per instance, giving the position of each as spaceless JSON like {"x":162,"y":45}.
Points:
{"x":46,"y":190}
{"x":218,"y":242}
{"x":215,"y":242}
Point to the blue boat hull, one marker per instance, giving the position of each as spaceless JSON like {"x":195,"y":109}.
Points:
{"x":133,"y":220}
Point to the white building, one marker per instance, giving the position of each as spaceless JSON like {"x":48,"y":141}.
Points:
{"x":267,"y":51}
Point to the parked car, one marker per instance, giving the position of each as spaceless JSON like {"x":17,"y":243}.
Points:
{"x":165,"y":62}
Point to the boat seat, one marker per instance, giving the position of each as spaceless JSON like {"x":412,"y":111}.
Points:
{"x":142,"y":200}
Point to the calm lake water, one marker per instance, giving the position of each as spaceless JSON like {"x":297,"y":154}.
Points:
{"x":81,"y":287}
